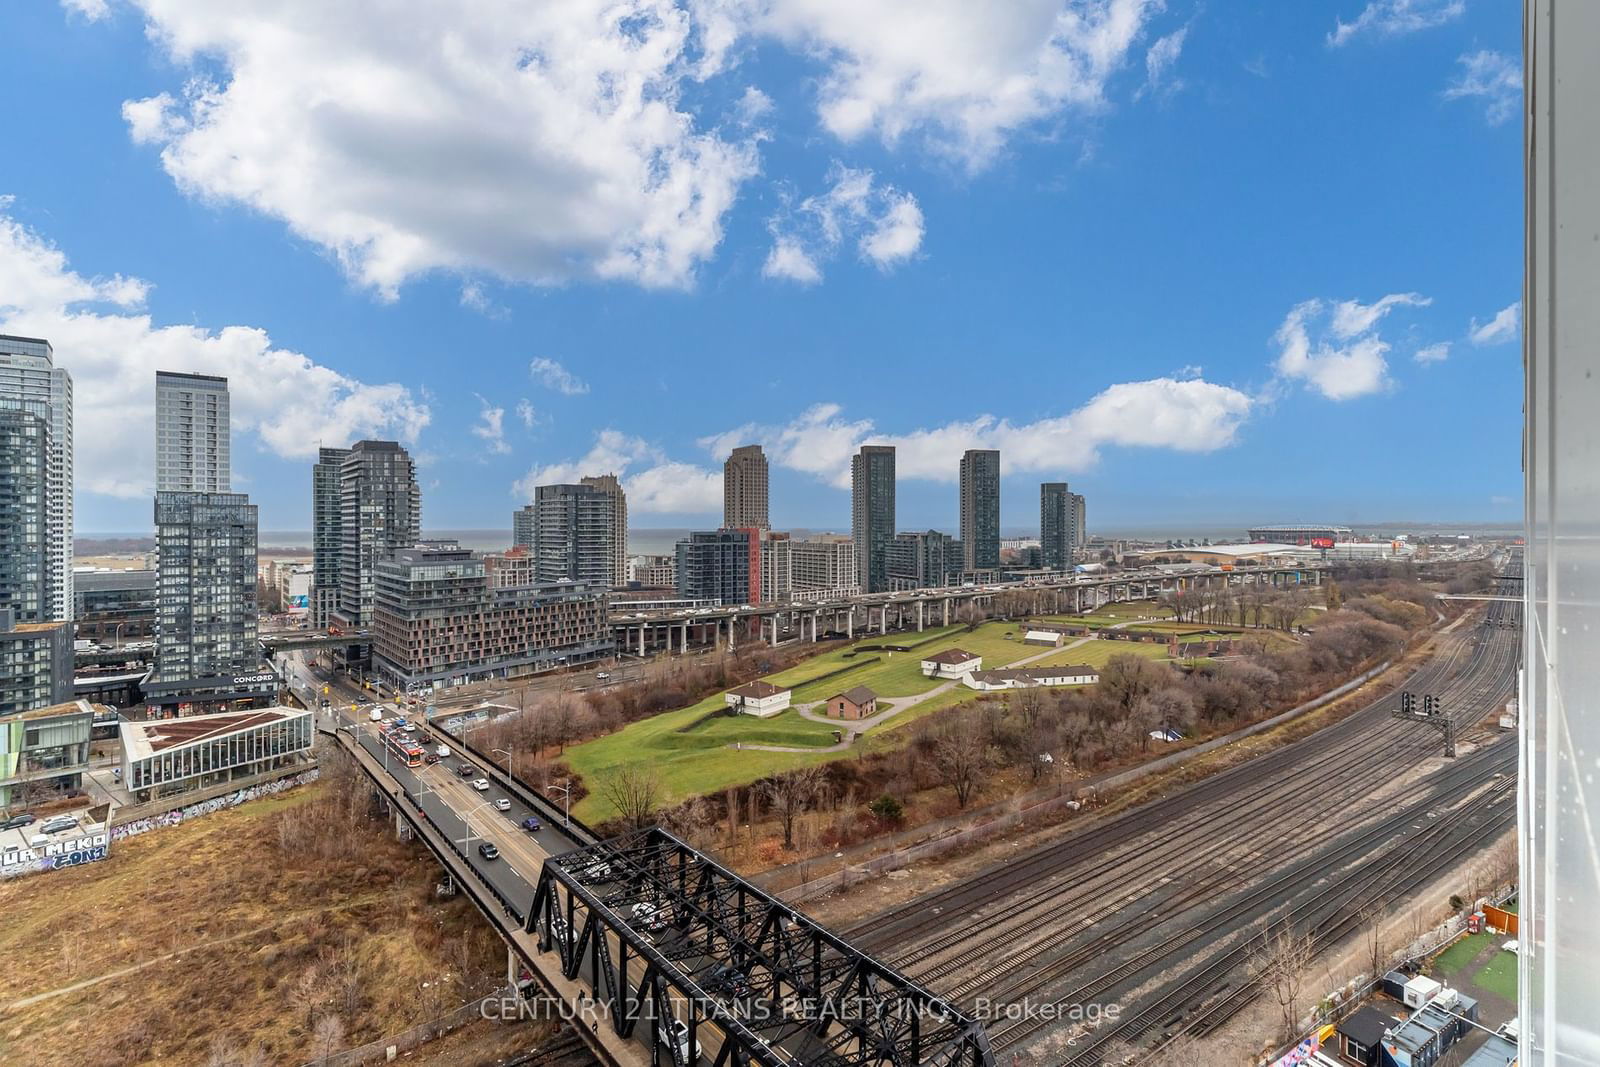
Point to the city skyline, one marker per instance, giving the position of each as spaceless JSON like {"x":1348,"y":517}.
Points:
{"x":1028,"y":262}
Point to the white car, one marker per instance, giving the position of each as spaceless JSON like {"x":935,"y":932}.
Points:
{"x":481,"y":784}
{"x":502,"y":804}
{"x":375,"y":715}
{"x":680,"y":1038}
{"x":443,"y":752}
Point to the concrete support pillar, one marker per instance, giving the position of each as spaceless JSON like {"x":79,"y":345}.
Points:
{"x":683,"y":644}
{"x":919,"y":616}
{"x":883,"y":619}
{"x":641,"y":640}
{"x":732,"y":621}
{"x":850,"y":624}
{"x":946,"y":603}
{"x":513,"y":967}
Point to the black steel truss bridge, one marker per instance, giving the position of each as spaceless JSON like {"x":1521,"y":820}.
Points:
{"x":670,"y":941}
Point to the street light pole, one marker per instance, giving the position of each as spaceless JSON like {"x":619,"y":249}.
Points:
{"x":566,"y":801}
{"x":511,"y":760}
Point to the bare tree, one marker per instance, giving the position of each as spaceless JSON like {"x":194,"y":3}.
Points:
{"x":790,"y":793}
{"x":309,"y":991}
{"x":329,"y":1036}
{"x":1280,"y":963}
{"x":634,"y":791}
{"x":961,"y":753}
{"x":1373,"y":943}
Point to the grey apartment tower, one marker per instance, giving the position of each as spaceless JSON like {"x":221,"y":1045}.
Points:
{"x":872,"y":514}
{"x":980,"y":509}
{"x":31,"y":383}
{"x":744,"y":489}
{"x":574,"y":531}
{"x":327,"y":524}
{"x":1061,"y":526}
{"x":380,"y":512}
{"x":207,"y":654}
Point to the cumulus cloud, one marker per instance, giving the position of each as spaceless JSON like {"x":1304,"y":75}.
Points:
{"x":654,"y":483}
{"x":1492,"y":77}
{"x":113,"y":348}
{"x":1335,"y":349}
{"x":884,"y":223}
{"x":93,"y":10}
{"x":1505,"y":326}
{"x":552,"y":375}
{"x":526,"y":412}
{"x":1436,"y":353}
{"x":958,"y":76}
{"x":490,"y":427}
{"x":1393,"y":18}
{"x":536,"y":142}
{"x":543,"y":142}
{"x":1190,"y":415}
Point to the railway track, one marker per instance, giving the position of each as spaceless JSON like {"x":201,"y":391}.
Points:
{"x":1023,"y":930}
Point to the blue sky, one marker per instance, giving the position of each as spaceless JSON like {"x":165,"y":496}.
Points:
{"x":1211,"y":264}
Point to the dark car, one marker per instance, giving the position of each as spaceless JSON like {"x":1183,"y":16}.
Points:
{"x":466,"y":770}
{"x":488,"y":851}
{"x":531,"y":824}
{"x":724,"y":979}
{"x":25,"y":819}
{"x":430,"y":759}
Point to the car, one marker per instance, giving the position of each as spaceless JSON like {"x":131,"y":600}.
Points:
{"x":17,"y":821}
{"x":443,"y":751}
{"x":678,"y":1033}
{"x":598,"y":870}
{"x":59,"y":823}
{"x":725,"y":979}
{"x":481,"y":784}
{"x":430,"y":759}
{"x":488,"y":851}
{"x":466,"y":770}
{"x":649,"y":916}
{"x":502,"y":804}
{"x":531,"y":824}
{"x":602,"y":676}
{"x":375,"y":715}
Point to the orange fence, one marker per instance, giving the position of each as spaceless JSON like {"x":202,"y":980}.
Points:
{"x":1500,"y":919}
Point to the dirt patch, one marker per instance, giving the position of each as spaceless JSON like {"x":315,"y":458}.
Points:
{"x":212,"y":937}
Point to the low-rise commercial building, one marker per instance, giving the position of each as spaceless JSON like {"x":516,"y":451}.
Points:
{"x":163,"y":757}
{"x":654,"y":572}
{"x":35,"y":663}
{"x":437,"y":620}
{"x":44,"y":751}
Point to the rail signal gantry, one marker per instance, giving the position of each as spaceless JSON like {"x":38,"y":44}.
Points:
{"x":1431,"y":713}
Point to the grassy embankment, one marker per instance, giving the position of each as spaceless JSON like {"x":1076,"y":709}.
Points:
{"x":690,"y":749}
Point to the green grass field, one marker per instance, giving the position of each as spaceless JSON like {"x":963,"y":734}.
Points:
{"x":1451,"y":960}
{"x":1499,"y":976}
{"x":1095,"y":653}
{"x":698,"y":759}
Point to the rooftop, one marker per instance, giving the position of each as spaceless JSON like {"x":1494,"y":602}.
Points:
{"x":149,"y":736}
{"x":1366,"y":1026}
{"x":858,"y":695}
{"x":950,"y":656}
{"x":71,"y":707}
{"x":1030,"y":674}
{"x":757,"y":690}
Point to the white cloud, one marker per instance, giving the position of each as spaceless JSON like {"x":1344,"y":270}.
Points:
{"x":1505,"y":326}
{"x":961,"y":76}
{"x":654,"y":484}
{"x":1336,"y":350}
{"x":1436,"y":353}
{"x":552,"y":375}
{"x":1159,"y":61}
{"x":1392,"y":18}
{"x":533,"y":141}
{"x":93,"y":10}
{"x":1189,"y":416}
{"x":1351,"y":318}
{"x":1494,"y":78}
{"x":113,"y":349}
{"x":490,"y":427}
{"x":885,"y":224}
{"x":526,"y":412}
